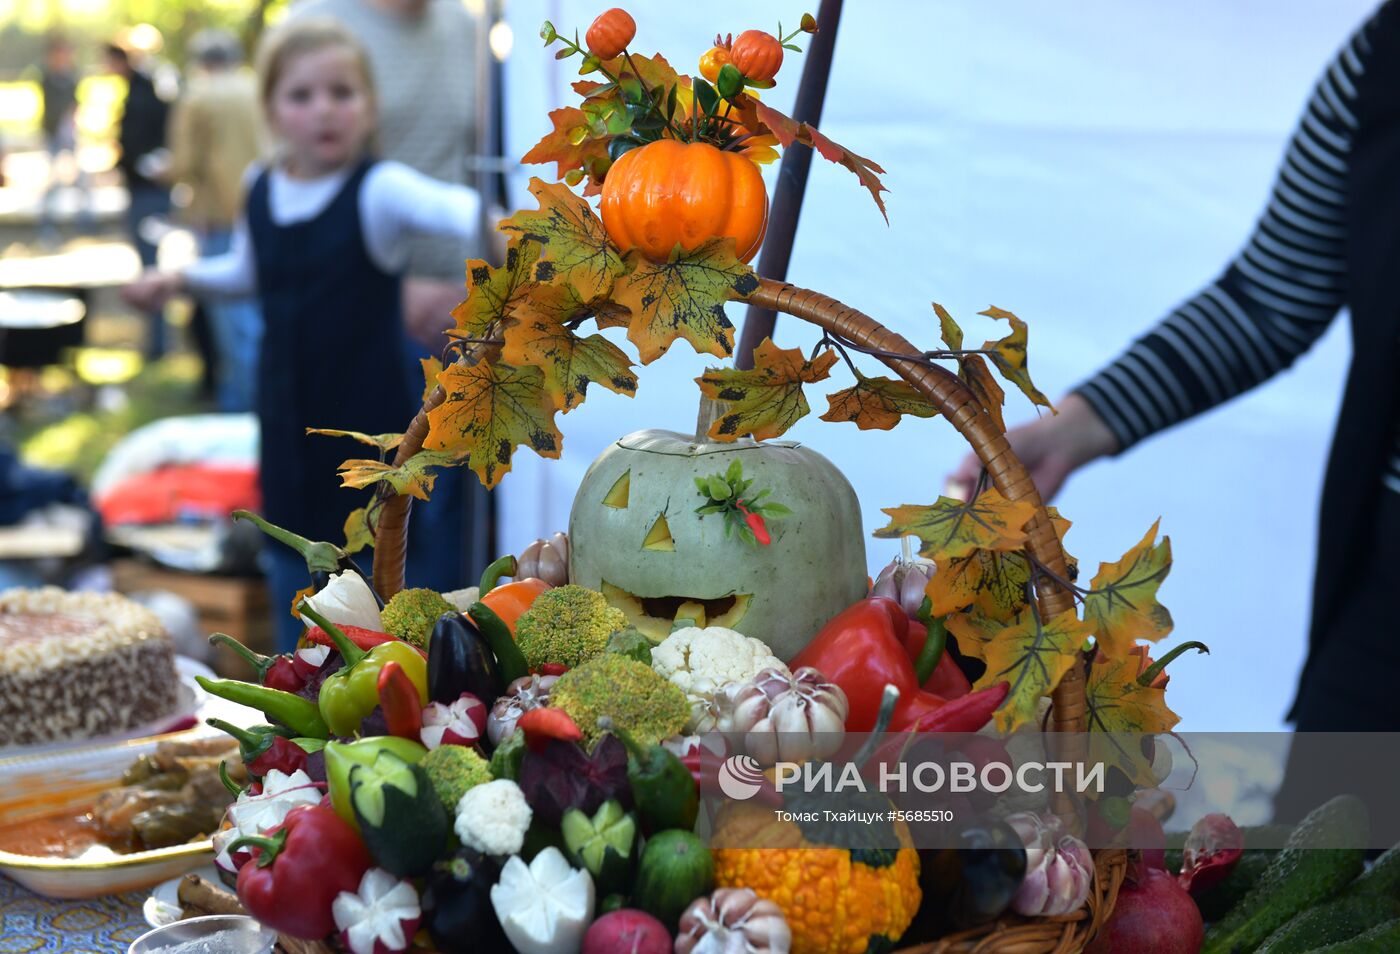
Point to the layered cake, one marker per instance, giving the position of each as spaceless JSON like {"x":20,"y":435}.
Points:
{"x":78,"y":665}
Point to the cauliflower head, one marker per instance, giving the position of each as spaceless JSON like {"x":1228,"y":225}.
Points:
{"x":411,"y":614}
{"x":703,"y":662}
{"x":453,"y":769}
{"x":493,"y":818}
{"x":631,"y":693}
{"x":568,"y":624}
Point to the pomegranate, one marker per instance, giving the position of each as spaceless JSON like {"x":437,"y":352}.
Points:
{"x":1154,"y":915}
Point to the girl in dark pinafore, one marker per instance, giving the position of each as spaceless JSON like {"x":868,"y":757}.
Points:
{"x":320,"y":246}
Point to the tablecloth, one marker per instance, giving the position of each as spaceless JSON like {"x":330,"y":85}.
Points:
{"x":105,"y":925}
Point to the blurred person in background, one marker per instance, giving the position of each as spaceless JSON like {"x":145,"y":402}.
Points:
{"x":1329,"y":238}
{"x":58,"y":91}
{"x":141,"y":160}
{"x":215,"y":134}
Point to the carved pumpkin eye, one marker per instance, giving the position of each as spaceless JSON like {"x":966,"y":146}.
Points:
{"x":617,"y":496}
{"x":659,"y":536}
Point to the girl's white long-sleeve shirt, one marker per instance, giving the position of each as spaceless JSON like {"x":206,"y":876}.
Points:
{"x":395,"y":201}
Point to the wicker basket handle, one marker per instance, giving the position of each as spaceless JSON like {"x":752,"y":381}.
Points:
{"x":947,"y":392}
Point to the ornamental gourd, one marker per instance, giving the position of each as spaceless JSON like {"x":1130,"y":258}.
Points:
{"x":634,"y":535}
{"x":757,"y":55}
{"x":668,"y":193}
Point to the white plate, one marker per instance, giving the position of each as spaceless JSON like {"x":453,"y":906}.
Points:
{"x":190,"y":698}
{"x":163,"y":906}
{"x":42,"y":783}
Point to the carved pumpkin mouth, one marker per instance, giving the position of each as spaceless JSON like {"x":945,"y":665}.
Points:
{"x":655,"y":616}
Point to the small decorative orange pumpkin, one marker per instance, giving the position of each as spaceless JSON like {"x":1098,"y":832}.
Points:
{"x":669,"y":192}
{"x":610,"y":33}
{"x":757,"y":55}
{"x":713,"y":61}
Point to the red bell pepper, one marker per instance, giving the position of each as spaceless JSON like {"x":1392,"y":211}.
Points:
{"x":298,"y":869}
{"x":398,"y":697}
{"x":862,"y":649}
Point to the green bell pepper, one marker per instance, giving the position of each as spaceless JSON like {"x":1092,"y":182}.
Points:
{"x":353,"y":692}
{"x":341,"y":757}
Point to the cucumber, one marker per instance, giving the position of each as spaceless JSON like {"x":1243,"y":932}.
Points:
{"x":676,"y":868}
{"x":402,"y":821}
{"x":1218,"y":901}
{"x":1381,"y":878}
{"x":1381,"y":939}
{"x":1330,"y":922}
{"x":1309,"y":869}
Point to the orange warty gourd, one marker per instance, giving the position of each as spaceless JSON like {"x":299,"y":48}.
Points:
{"x":668,"y":192}
{"x":757,"y":55}
{"x":712,"y":62}
{"x":610,"y":33}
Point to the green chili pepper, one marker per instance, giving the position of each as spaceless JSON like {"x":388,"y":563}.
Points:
{"x":509,"y":659}
{"x":300,"y":715}
{"x":352,"y":693}
{"x":663,"y":789}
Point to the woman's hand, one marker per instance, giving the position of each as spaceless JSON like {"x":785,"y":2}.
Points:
{"x":152,"y":290}
{"x":1051,"y":447}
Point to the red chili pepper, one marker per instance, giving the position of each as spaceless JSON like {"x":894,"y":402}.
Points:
{"x":398,"y":697}
{"x":263,"y":749}
{"x":552,"y":669}
{"x":862,"y":650}
{"x":542,"y":724}
{"x":299,"y":869}
{"x":282,"y":674}
{"x":365,"y":639}
{"x":756,"y":524}
{"x":967,"y":714}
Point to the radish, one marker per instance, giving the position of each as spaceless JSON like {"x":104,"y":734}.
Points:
{"x":627,"y":931}
{"x":1154,"y":915}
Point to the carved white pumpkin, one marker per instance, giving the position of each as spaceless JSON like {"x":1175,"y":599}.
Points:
{"x":635,"y":536}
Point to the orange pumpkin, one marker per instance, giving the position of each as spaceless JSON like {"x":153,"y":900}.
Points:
{"x":757,"y":55}
{"x":610,"y":33}
{"x":670,"y":192}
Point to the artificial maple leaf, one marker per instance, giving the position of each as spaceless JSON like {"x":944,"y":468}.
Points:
{"x":992,"y":582}
{"x":972,"y":369}
{"x":974,"y":630}
{"x":570,"y":363}
{"x":432,"y":367}
{"x":572,"y":239}
{"x":877,"y":403}
{"x":489,"y":409}
{"x":1122,"y":600}
{"x":1033,"y":655}
{"x":414,"y":476}
{"x":789,"y":130}
{"x":570,"y":145}
{"x":654,"y":71}
{"x":953,"y":528}
{"x":360,"y":527}
{"x":385,"y":442}
{"x":492,"y":291}
{"x":765,"y":402}
{"x":298,"y":596}
{"x":1009,"y":355}
{"x":684,"y":298}
{"x":1121,"y":711}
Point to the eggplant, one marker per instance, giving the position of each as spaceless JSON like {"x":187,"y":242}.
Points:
{"x":457,"y":907}
{"x":970,"y":884}
{"x":460,"y":660}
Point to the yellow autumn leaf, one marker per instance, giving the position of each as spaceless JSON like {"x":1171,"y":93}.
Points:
{"x":489,"y":410}
{"x":766,"y":401}
{"x":953,"y":528}
{"x":1122,"y":599}
{"x":569,"y":362}
{"x":575,"y":247}
{"x":1009,"y":356}
{"x":1032,"y":655}
{"x":492,"y":291}
{"x":877,"y":403}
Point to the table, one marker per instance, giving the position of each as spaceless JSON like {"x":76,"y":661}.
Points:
{"x":106,"y":925}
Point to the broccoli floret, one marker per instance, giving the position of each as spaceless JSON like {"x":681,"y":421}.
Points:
{"x":631,"y":693}
{"x":411,"y":614}
{"x":631,"y":643}
{"x":453,"y":769}
{"x":568,"y":625}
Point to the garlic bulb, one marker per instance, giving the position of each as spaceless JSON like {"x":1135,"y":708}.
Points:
{"x":546,"y":560}
{"x":522,"y":695}
{"x":788,"y":717}
{"x":904,"y":581}
{"x":733,"y":921}
{"x":1059,"y":868}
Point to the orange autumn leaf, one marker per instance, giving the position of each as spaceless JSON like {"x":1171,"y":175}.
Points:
{"x":432,"y":367}
{"x":789,"y":130}
{"x":972,"y":369}
{"x":1032,"y":655}
{"x":877,"y":403}
{"x":991,"y":582}
{"x":1120,"y":712}
{"x":493,"y":291}
{"x":297,"y":597}
{"x":570,"y":363}
{"x":684,"y":298}
{"x":953,"y":528}
{"x":572,"y":239}
{"x":489,"y":410}
{"x":570,"y":144}
{"x":1122,"y":599}
{"x":766,"y":401}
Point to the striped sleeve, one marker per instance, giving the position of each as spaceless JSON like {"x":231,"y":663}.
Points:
{"x":1273,"y":301}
